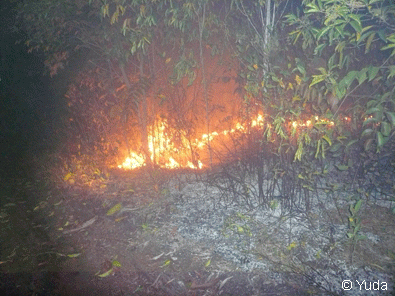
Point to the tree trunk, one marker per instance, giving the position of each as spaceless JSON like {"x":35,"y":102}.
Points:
{"x":143,"y":117}
{"x":125,"y":115}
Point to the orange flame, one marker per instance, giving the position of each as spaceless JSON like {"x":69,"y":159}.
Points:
{"x":167,"y":154}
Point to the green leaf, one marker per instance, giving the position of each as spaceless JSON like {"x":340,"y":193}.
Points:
{"x":356,"y":23}
{"x":167,"y":262}
{"x":382,"y":35}
{"x":318,"y":49}
{"x":116,"y":263}
{"x":362,"y":75}
{"x":318,"y":148}
{"x":391,"y":117}
{"x":317,"y":79}
{"x":342,"y":167}
{"x":392,"y":71}
{"x":107,"y":273}
{"x":373,"y":110}
{"x":366,"y":132}
{"x":348,"y":145}
{"x":380,"y":140}
{"x":299,"y":152}
{"x":349,"y":78}
{"x":326,"y":138}
{"x":134,"y":48}
{"x":361,"y":236}
{"x":364,"y":36}
{"x":357,"y":206}
{"x":357,"y":228}
{"x":313,"y":8}
{"x":301,"y":69}
{"x":114,"y":209}
{"x":371,"y":103}
{"x":366,"y":28}
{"x":335,"y":147}
{"x":340,"y":90}
{"x":367,"y":144}
{"x":369,"y":120}
{"x":357,"y":27}
{"x":323,"y":32}
{"x":369,"y":42}
{"x":372,"y":71}
{"x":392,"y":45}
{"x":73,"y":255}
{"x":385,"y":128}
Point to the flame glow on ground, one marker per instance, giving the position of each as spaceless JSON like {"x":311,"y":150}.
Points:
{"x":183,"y":153}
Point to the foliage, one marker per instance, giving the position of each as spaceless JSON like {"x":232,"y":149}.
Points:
{"x":354,"y":225}
{"x":57,"y":28}
{"x":347,"y":32}
{"x":319,"y":86}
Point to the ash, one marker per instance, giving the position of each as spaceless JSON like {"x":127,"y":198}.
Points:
{"x":281,"y":243}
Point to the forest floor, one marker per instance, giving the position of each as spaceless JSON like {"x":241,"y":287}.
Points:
{"x":170,"y":233}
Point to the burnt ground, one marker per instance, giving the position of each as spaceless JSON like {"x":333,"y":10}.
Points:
{"x":134,"y":233}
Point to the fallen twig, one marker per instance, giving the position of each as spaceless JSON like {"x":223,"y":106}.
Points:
{"x":86,"y":224}
{"x":224,"y":282}
{"x":204,"y":286}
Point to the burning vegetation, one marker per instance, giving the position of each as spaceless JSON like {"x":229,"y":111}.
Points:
{"x":194,"y":154}
{"x":286,"y":106}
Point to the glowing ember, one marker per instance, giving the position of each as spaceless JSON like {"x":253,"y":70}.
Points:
{"x":168,"y":153}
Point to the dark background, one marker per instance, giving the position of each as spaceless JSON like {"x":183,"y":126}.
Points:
{"x":31,"y":103}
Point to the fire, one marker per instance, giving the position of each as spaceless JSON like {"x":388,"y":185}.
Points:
{"x":171,"y":154}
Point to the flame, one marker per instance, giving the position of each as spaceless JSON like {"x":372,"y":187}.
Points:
{"x":171,"y":154}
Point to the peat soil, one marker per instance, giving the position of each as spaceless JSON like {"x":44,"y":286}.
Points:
{"x":132,"y":233}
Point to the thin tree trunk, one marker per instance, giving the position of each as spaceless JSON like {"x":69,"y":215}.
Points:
{"x":125,"y":116}
{"x":143,"y":117}
{"x":205,"y":95}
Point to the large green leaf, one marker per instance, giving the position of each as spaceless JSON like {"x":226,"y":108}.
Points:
{"x":366,"y":132}
{"x":385,"y":128}
{"x":349,"y":78}
{"x":312,"y":8}
{"x":357,"y":26}
{"x":381,"y":141}
{"x":357,"y":206}
{"x":372,"y":72}
{"x":391,"y":117}
{"x":373,"y":110}
{"x":362,"y":75}
{"x":392,"y":45}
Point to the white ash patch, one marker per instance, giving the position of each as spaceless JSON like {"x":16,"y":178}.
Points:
{"x":202,"y":214}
